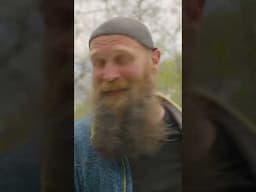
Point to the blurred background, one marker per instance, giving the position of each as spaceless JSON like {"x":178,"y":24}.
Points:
{"x":162,"y":17}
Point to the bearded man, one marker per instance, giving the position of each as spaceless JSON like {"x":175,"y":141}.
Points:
{"x":132,"y":139}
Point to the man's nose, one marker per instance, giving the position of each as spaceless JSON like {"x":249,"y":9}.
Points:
{"x":110,"y":72}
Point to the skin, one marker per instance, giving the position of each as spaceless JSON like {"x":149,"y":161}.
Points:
{"x":120,"y":58}
{"x":128,"y":118}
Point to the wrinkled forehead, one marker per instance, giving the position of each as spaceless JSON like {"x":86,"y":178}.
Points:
{"x":118,"y":43}
{"x":114,"y":40}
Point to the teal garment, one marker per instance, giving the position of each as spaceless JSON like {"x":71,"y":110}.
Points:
{"x":92,"y":172}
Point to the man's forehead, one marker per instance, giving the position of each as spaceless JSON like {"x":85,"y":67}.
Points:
{"x":115,"y":49}
{"x":118,"y":43}
{"x":111,"y":40}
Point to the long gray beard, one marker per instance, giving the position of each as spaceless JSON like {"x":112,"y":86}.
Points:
{"x":135,"y":133}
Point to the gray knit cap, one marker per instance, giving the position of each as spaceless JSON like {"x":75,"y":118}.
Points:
{"x":125,"y":26}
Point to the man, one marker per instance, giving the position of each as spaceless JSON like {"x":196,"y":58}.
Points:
{"x":220,"y":138}
{"x":132,"y":139}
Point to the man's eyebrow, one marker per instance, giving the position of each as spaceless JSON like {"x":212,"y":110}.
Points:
{"x":93,"y":53}
{"x":123,"y":49}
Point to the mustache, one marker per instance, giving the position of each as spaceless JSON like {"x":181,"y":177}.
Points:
{"x":114,"y":86}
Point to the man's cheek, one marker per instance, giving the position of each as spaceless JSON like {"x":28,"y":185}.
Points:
{"x":96,"y":81}
{"x":132,"y":73}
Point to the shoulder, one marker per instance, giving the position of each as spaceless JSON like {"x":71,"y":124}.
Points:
{"x":82,"y":132}
{"x":174,"y":109}
{"x":82,"y":128}
{"x":83,"y":149}
{"x":83,"y":155}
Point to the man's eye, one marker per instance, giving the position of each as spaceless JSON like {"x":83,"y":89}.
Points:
{"x":122,"y":60}
{"x":99,"y":63}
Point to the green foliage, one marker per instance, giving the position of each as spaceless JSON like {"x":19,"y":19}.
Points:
{"x":81,"y":110}
{"x":170,"y":79}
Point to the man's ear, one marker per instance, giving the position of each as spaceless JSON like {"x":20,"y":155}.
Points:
{"x":156,"y":54}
